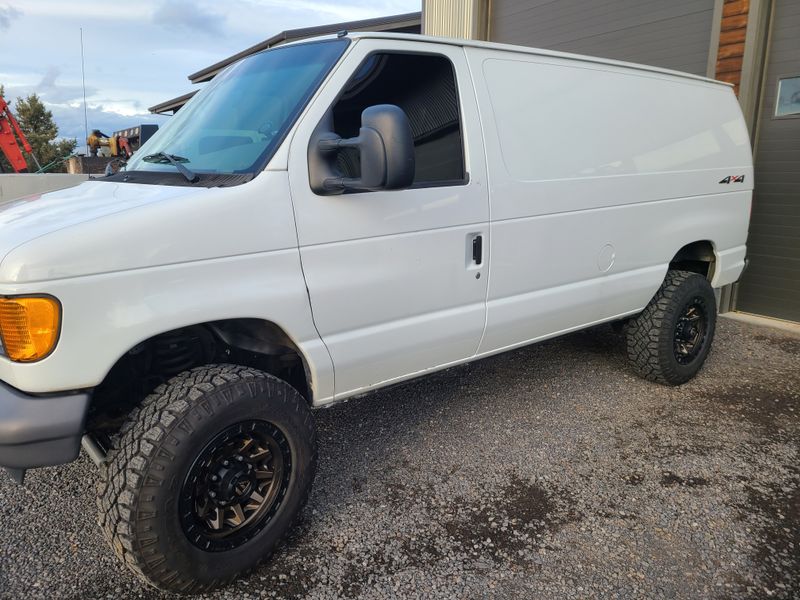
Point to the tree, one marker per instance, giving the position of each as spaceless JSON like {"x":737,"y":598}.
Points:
{"x":36,"y":122}
{"x":38,"y":126}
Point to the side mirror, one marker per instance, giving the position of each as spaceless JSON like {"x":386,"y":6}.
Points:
{"x":386,"y":149}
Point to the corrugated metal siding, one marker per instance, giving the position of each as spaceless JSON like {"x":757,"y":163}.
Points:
{"x":675,"y":35}
{"x":771,"y":285}
{"x":449,"y":18}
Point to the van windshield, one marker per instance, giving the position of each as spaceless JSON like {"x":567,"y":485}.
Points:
{"x":234,"y":125}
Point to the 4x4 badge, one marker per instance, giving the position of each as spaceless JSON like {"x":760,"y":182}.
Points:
{"x":733,"y":179}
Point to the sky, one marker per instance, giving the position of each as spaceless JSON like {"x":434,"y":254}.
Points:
{"x":139,"y":53}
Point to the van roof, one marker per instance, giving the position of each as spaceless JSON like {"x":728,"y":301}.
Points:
{"x":413,"y":37}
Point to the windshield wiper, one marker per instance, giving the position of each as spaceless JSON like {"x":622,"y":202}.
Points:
{"x":163,"y":157}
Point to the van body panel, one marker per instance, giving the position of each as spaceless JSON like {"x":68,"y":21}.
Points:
{"x":598,"y":175}
{"x":104,"y":316}
{"x":562,"y":277}
{"x":568,"y":120}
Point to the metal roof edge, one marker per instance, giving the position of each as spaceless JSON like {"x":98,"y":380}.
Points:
{"x":168,"y":105}
{"x":306,"y":32}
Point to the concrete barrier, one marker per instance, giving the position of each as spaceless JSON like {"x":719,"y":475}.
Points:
{"x":15,"y":185}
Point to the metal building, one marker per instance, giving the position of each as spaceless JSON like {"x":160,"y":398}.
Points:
{"x":753,"y":44}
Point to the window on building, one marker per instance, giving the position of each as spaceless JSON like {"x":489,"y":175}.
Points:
{"x":424,"y":86}
{"x":788,"y":97}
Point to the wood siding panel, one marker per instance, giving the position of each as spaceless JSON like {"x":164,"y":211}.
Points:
{"x":736,"y":7}
{"x":732,"y":36}
{"x":730,"y":65}
{"x":733,"y":31}
{"x":731,"y":51}
{"x":734,"y":22}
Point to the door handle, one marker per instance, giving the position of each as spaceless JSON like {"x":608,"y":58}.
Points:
{"x":477,"y":249}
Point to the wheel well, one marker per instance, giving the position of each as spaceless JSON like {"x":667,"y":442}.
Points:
{"x":249,"y":342}
{"x":697,"y":257}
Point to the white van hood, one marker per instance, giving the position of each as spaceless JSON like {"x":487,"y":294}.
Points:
{"x":102,"y":227}
{"x":30,"y":217}
{"x":79,"y":230}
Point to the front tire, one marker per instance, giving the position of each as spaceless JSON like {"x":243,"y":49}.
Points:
{"x":668,"y":342}
{"x":207,"y":476}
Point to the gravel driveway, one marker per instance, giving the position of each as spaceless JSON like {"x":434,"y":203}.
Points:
{"x":548,"y":472}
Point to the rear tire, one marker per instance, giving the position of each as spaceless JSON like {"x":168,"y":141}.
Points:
{"x":668,"y":342}
{"x":206,"y":477}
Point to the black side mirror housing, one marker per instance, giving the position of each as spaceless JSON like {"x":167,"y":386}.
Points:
{"x":386,"y":149}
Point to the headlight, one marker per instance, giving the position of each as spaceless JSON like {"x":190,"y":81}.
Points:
{"x":29,"y":327}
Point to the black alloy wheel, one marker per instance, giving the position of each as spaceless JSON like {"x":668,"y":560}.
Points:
{"x":690,"y":331}
{"x":235,"y":486}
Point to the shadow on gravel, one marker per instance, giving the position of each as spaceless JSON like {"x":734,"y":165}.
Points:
{"x":785,"y":344}
{"x":507,"y":529}
{"x":520,"y":518}
{"x":777,"y":513}
{"x":761,"y":403}
{"x":669,"y":479}
{"x":770,"y":407}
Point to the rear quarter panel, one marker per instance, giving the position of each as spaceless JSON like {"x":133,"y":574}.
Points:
{"x":591,"y":164}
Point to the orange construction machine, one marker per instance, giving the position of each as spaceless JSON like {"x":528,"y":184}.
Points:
{"x":8,"y":141}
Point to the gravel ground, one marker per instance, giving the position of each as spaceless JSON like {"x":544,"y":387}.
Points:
{"x":548,"y":472}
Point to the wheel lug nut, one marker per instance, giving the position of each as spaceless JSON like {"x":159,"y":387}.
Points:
{"x":225,"y":463}
{"x":212,"y":494}
{"x":240,"y":458}
{"x":215,"y":478}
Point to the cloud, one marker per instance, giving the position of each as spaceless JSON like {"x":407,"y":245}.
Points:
{"x":88,"y":12}
{"x":8,"y":14}
{"x":305,"y":13}
{"x":52,"y":92}
{"x":188,"y":15}
{"x":49,"y":90}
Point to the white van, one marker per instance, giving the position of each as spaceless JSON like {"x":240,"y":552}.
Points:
{"x":330,"y":217}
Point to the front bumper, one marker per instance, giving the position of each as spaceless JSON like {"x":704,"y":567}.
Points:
{"x":39,"y":431}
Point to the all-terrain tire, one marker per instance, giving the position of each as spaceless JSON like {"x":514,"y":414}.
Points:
{"x":651,"y":335}
{"x":146,"y":471}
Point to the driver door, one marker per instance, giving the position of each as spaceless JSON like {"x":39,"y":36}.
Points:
{"x":397,"y":279}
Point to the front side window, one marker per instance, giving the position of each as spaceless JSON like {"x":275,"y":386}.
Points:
{"x":235,"y":123}
{"x":424,"y":86}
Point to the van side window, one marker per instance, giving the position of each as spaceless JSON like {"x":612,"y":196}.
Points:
{"x":424,"y":86}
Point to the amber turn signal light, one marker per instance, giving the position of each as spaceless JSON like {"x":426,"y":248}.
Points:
{"x":29,"y":327}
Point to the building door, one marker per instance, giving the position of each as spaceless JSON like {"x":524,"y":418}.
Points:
{"x":675,"y":35}
{"x":771,"y":284}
